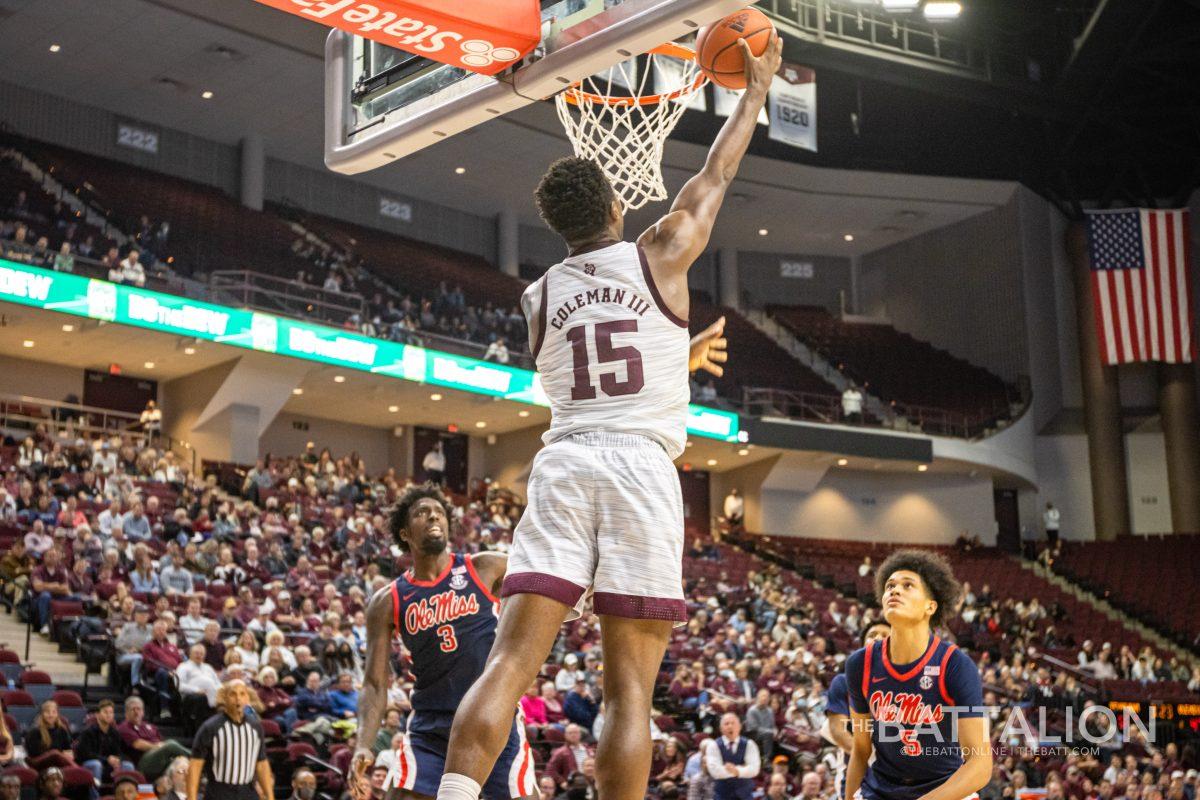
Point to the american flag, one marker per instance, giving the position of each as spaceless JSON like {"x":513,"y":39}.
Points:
{"x":1141,"y":285}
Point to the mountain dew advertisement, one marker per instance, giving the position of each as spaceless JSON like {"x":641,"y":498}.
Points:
{"x":67,"y":293}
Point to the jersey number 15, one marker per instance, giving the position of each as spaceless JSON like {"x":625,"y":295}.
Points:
{"x":605,"y":354}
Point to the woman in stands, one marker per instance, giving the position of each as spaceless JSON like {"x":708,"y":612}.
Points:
{"x":7,"y":751}
{"x":48,"y":740}
{"x":915,"y":699}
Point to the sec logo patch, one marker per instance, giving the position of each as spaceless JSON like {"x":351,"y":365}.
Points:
{"x":925,"y":682}
{"x":458,"y":582}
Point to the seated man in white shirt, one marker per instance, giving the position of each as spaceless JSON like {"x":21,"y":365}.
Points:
{"x":131,"y":270}
{"x":852,"y":404}
{"x":193,"y":623}
{"x":198,"y":679}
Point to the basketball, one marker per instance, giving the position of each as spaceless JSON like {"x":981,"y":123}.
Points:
{"x":717,"y":49}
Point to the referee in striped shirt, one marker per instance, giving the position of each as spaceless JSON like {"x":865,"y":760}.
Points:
{"x":229,"y":751}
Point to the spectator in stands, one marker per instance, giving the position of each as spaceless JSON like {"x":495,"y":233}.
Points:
{"x":15,"y":568}
{"x":343,"y":699}
{"x":568,"y":758}
{"x":64,"y":260}
{"x":10,"y":787}
{"x":852,"y":404}
{"x":760,"y":723}
{"x":132,"y":272}
{"x":160,"y":657}
{"x":580,"y":707}
{"x":38,"y":541}
{"x":733,"y":761}
{"x":143,"y":578}
{"x":135,"y":525}
{"x":864,"y":570}
{"x":1051,"y":518}
{"x":48,"y":739}
{"x":50,"y":784}
{"x":176,"y":578}
{"x":313,"y":699}
{"x":197,"y":678}
{"x":99,"y":745}
{"x":277,"y":703}
{"x":434,"y":464}
{"x":735,"y":508}
{"x":247,"y":650}
{"x":304,"y":785}
{"x":48,"y":581}
{"x":143,"y":743}
{"x":193,"y":624}
{"x":777,"y":787}
{"x":497,"y":351}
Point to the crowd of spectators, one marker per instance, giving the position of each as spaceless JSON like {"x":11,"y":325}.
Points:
{"x":192,"y":581}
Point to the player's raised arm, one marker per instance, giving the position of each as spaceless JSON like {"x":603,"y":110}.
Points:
{"x":372,"y":700}
{"x":676,"y":240}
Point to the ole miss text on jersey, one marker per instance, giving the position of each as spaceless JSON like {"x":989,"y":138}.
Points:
{"x":914,"y":708}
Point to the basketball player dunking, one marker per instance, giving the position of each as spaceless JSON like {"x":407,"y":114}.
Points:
{"x":445,"y":610}
{"x":915,"y":699}
{"x":608,"y":328}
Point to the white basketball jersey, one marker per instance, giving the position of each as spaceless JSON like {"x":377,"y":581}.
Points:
{"x":612,"y":356}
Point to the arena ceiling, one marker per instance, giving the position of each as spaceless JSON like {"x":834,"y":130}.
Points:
{"x":1113,"y":116}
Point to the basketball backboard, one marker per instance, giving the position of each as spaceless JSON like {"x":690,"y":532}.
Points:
{"x":382,"y":104}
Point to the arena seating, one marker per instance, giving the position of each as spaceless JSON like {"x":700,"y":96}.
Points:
{"x":756,"y":360}
{"x":898,"y":368}
{"x":1143,"y":576}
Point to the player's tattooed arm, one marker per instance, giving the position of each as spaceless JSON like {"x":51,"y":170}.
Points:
{"x":372,"y":700}
{"x":491,"y":568}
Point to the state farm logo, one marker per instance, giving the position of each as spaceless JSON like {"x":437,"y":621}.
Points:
{"x":408,"y":33}
{"x":478,"y":53}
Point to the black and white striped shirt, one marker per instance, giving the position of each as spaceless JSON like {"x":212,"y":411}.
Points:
{"x":231,"y":752}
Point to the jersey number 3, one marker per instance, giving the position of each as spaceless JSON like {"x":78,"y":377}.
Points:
{"x":606,"y":354}
{"x":448,"y":643}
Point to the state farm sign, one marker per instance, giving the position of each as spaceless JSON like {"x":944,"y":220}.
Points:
{"x":483,"y":36}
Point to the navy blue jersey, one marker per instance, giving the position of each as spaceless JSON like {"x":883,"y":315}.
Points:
{"x":837,"y":698}
{"x":912,"y":723}
{"x":837,"y":701}
{"x":448,"y":624}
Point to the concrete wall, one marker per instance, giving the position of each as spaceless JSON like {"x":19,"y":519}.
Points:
{"x":1062,"y":464}
{"x":760,"y":281}
{"x":884,"y":506}
{"x":290,"y":433}
{"x":959,"y":288}
{"x":19,"y":376}
{"x":184,"y":399}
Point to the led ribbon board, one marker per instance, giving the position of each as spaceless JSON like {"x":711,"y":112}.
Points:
{"x":67,"y":293}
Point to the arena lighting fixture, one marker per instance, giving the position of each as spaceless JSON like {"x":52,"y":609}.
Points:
{"x":459,"y":170}
{"x":922,"y":468}
{"x":54,"y":48}
{"x":842,"y":462}
{"x":900,"y":6}
{"x":393,"y":409}
{"x":27,"y":343}
{"x":481,"y":424}
{"x":68,"y":328}
{"x":148,"y":365}
{"x":712,"y":462}
{"x":435,"y":397}
{"x":297,"y":391}
{"x":763,"y":231}
{"x":689,"y":443}
{"x":522,"y":413}
{"x":189,"y":351}
{"x":743,"y":452}
{"x":206,"y":94}
{"x":339,"y":378}
{"x":849,"y":237}
{"x":940,"y":10}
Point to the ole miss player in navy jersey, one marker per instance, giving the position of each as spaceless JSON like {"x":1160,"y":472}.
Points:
{"x":445,"y":609}
{"x":915,"y":699}
{"x":837,"y":709}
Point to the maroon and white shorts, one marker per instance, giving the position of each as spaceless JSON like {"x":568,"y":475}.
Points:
{"x":604,"y":513}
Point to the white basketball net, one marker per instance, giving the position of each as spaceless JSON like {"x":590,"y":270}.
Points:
{"x":625,"y":136}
